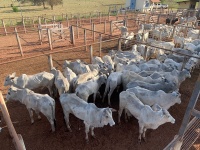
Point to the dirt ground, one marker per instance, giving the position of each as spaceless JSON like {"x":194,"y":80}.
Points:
{"x":38,"y":135}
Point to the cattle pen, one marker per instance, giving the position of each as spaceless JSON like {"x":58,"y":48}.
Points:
{"x":98,"y":43}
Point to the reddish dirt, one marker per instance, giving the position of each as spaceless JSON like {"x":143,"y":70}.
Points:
{"x":38,"y":136}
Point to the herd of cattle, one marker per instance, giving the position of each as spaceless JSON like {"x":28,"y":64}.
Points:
{"x":150,"y":85}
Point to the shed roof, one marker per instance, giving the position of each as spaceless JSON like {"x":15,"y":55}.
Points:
{"x":155,"y":1}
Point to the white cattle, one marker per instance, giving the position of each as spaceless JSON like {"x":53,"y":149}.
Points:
{"x":147,"y":117}
{"x":60,"y":81}
{"x":133,"y":67}
{"x":128,"y":38}
{"x":193,"y":34}
{"x":108,"y":61}
{"x":114,"y":80}
{"x":196,"y":42}
{"x":148,"y":97}
{"x":98,"y":60}
{"x":173,"y":64}
{"x":77,"y":67}
{"x":71,"y":76}
{"x":91,"y":115}
{"x":189,"y":46}
{"x":34,"y":101}
{"x":32,"y":82}
{"x":82,"y":78}
{"x":128,"y":76}
{"x":179,"y":41}
{"x":167,"y":86}
{"x":90,"y":87}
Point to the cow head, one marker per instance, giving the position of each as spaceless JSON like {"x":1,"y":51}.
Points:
{"x":177,"y":95}
{"x":167,"y":117}
{"x":9,"y":79}
{"x":66,"y":64}
{"x":106,"y":117}
{"x":12,"y":93}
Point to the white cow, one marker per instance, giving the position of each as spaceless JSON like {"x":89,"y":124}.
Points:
{"x":77,"y":67}
{"x":92,"y":116}
{"x":36,"y":81}
{"x":148,"y":97}
{"x":114,"y":80}
{"x":60,"y":81}
{"x":84,"y":90}
{"x":34,"y":101}
{"x":147,"y":117}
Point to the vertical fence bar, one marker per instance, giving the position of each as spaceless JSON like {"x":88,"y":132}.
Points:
{"x":54,"y":19}
{"x":119,"y":44}
{"x":100,"y":17}
{"x":49,"y":38}
{"x":19,"y":43}
{"x":33,"y":22}
{"x":19,"y":144}
{"x":72,"y":35}
{"x":40,"y":33}
{"x":23,"y":22}
{"x":85,"y":39}
{"x":91,"y":53}
{"x":100,"y":44}
{"x":93,"y":32}
{"x":50,"y":62}
{"x":67,"y":20}
{"x":39,"y":20}
{"x":90,"y":18}
{"x":4,"y":26}
{"x":111,"y":29}
{"x":105,"y":26}
{"x":108,"y":16}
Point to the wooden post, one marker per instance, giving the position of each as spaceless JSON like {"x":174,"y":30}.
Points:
{"x":4,"y":26}
{"x":91,"y":27}
{"x":111,"y":29}
{"x":67,"y":20}
{"x":100,"y":44}
{"x":119,"y":44}
{"x":49,"y":38}
{"x":39,"y":20}
{"x":100,"y":17}
{"x":72,"y":35}
{"x":90,"y":18}
{"x":19,"y":144}
{"x":79,"y":19}
{"x":54,"y":19}
{"x":105,"y":26}
{"x":39,"y":33}
{"x":91,"y":53}
{"x":158,"y":19}
{"x":85,"y":39}
{"x":19,"y":43}
{"x":77,"y":28}
{"x":33,"y":22}
{"x":145,"y":53}
{"x":108,"y":16}
{"x":93,"y":32}
{"x":50,"y":62}
{"x":23,"y":24}
{"x":173,"y":31}
{"x":62,"y":16}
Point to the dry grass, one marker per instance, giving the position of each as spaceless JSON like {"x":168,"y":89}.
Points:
{"x":69,"y":6}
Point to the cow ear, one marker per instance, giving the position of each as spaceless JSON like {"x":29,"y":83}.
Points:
{"x":12,"y":76}
{"x":113,"y":110}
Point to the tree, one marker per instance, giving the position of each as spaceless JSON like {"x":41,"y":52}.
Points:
{"x":39,"y":2}
{"x":54,"y":2}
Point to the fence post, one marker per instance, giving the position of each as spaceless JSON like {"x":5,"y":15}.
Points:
{"x":77,"y":29}
{"x":105,"y":26}
{"x":100,"y":44}
{"x":119,"y":44}
{"x":91,"y":27}
{"x":67,"y":20}
{"x":54,"y":19}
{"x":100,"y":17}
{"x":173,"y":31}
{"x":93,"y":32}
{"x":39,"y":33}
{"x":159,"y":19}
{"x":23,"y":24}
{"x":50,"y":62}
{"x":18,"y":143}
{"x":85,"y":39}
{"x":145,"y":53}
{"x":39,"y":20}
{"x":90,"y":18}
{"x":49,"y":38}
{"x":111,"y":29}
{"x":91,"y":53}
{"x":72,"y":35}
{"x":19,"y":43}
{"x":108,"y":16}
{"x":4,"y":26}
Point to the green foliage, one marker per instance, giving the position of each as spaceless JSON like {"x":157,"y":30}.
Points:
{"x":15,"y":9}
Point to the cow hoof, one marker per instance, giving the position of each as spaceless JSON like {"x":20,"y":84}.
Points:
{"x":139,"y":141}
{"x":93,"y":136}
{"x":144,"y":139}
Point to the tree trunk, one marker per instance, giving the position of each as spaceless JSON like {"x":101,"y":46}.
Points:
{"x":51,"y":7}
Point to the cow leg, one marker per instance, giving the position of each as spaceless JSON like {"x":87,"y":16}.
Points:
{"x":31,"y":115}
{"x":119,"y":114}
{"x":67,"y":122}
{"x":92,"y":132}
{"x":141,"y":129}
{"x":109,"y":94}
{"x":38,"y":114}
{"x":52,"y":123}
{"x":143,"y":135}
{"x":94,"y":97}
{"x":87,"y":129}
{"x":50,"y":91}
{"x":106,"y":90}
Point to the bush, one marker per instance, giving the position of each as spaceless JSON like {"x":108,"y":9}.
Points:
{"x":15,"y":9}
